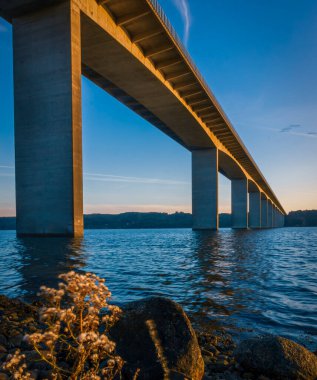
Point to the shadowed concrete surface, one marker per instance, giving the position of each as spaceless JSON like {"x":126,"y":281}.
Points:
{"x":264,"y":211}
{"x":239,"y":203}
{"x":129,"y":49}
{"x":255,"y":209}
{"x":205,"y":189}
{"x":269,"y":214}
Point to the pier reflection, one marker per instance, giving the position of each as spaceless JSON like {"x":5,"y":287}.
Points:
{"x":223,"y":261}
{"x":42,"y":260}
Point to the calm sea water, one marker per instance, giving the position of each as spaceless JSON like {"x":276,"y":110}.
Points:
{"x":258,"y":281}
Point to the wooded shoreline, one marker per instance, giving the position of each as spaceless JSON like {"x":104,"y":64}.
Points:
{"x":130,"y":220}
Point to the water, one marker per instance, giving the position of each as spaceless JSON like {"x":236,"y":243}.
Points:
{"x":259,"y":281}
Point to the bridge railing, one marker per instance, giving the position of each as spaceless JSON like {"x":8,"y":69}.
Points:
{"x":159,"y":11}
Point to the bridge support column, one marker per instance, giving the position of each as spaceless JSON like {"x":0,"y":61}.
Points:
{"x":239,"y":203}
{"x":205,"y":189}
{"x":269,"y":213}
{"x":48,"y":137}
{"x":275,"y":217}
{"x":263,"y":211}
{"x":280,"y":219}
{"x":255,"y":210}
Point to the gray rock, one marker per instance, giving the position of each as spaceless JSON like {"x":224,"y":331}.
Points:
{"x":277,"y":357}
{"x":156,"y":336}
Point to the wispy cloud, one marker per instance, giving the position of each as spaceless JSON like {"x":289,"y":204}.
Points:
{"x":290,"y":128}
{"x":305,"y":134}
{"x":6,"y":171}
{"x":183,"y":7}
{"x":109,"y":178}
{"x":117,"y":178}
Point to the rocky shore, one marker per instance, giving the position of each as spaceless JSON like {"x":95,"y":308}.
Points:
{"x":222,"y":359}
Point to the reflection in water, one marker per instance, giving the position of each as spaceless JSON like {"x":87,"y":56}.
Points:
{"x":261,"y":280}
{"x":211,"y":266}
{"x":41,"y":260}
{"x":223,"y":264}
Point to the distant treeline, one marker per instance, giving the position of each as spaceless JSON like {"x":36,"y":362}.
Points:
{"x":146,"y":220}
{"x":131,"y":220}
{"x":306,"y":218}
{"x":164,"y":220}
{"x":138,"y":220}
{"x":7,"y":223}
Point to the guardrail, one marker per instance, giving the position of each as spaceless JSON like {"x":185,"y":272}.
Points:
{"x":161,"y":14}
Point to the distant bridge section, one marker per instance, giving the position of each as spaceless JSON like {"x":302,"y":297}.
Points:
{"x":128,"y":48}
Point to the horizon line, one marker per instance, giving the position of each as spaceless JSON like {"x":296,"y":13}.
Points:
{"x":154,"y":212}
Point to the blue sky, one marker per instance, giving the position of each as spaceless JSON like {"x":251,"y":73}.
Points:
{"x":260,"y":60}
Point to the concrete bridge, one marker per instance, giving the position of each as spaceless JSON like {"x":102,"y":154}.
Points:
{"x":128,"y":48}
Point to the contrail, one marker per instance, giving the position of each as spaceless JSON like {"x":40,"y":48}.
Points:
{"x":6,"y":173}
{"x":114,"y":178}
{"x":183,"y":7}
{"x":117,"y":178}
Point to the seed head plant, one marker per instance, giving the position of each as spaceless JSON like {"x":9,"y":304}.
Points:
{"x":75,"y":341}
{"x":15,"y":364}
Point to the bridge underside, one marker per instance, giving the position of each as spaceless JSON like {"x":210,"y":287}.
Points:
{"x":53,"y":46}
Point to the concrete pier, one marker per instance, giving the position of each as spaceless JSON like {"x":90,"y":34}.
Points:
{"x":280,"y":219}
{"x":274,"y":217}
{"x":255,"y":210}
{"x":205,"y":189}
{"x":239,"y":203}
{"x":269,"y":214}
{"x":48,"y":137}
{"x":263,"y":211}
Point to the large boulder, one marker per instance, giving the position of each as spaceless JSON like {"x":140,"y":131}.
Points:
{"x":277,"y":357}
{"x":156,"y":336}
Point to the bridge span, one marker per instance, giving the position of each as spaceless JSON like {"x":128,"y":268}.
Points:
{"x":129,"y":49}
